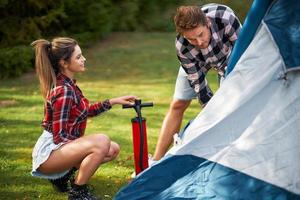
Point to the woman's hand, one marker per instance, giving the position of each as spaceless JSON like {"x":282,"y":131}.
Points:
{"x":124,"y":100}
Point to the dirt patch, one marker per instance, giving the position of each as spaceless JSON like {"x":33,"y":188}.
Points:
{"x":5,"y":103}
{"x":104,"y":43}
{"x":29,"y":76}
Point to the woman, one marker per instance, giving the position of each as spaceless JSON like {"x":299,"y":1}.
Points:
{"x":62,"y":145}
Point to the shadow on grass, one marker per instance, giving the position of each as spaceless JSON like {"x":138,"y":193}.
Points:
{"x":18,"y":122}
{"x":21,"y":185}
{"x":107,"y":188}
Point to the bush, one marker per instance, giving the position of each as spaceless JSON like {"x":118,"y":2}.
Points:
{"x":22,"y":22}
{"x":94,"y":17}
{"x":126,"y":14}
{"x":15,"y":61}
{"x":156,"y":15}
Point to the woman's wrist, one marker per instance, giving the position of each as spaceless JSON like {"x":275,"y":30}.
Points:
{"x":112,"y":101}
{"x":107,"y":104}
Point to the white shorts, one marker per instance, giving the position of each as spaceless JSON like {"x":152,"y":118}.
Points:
{"x":183,"y":89}
{"x":41,"y":152}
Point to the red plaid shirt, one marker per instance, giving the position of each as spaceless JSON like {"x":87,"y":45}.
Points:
{"x":66,"y":110}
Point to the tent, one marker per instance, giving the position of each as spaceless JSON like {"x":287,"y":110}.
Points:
{"x":245,"y":144}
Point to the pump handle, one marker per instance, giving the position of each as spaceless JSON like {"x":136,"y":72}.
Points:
{"x":150,"y":104}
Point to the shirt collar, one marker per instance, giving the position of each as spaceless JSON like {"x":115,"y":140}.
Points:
{"x":61,"y":78}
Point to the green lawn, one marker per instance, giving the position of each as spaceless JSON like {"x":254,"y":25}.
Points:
{"x":143,"y":64}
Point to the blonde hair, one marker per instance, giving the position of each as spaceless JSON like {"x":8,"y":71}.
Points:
{"x":47,"y":58}
{"x":189,"y":17}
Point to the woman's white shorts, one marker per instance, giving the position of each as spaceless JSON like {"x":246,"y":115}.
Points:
{"x":41,"y":152}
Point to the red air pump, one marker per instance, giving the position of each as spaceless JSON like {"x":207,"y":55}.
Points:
{"x":139,"y":136}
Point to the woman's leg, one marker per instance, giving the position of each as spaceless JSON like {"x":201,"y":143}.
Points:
{"x":112,"y":153}
{"x":89,"y":151}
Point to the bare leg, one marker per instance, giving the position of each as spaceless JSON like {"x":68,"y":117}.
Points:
{"x":89,"y":151}
{"x":170,"y":126}
{"x":112,"y":153}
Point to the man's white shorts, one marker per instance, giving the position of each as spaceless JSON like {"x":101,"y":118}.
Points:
{"x":183,"y":89}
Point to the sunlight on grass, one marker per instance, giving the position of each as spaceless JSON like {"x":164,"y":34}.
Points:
{"x":143,"y":64}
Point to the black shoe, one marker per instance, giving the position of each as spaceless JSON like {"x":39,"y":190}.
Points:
{"x":81,"y":192}
{"x":62,"y":184}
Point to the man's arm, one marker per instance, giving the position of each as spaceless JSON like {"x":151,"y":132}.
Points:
{"x":232,"y":28}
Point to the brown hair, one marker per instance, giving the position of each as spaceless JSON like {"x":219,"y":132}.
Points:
{"x":47,"y":58}
{"x":189,"y":17}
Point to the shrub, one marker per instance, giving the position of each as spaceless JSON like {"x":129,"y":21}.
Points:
{"x":92,"y":18}
{"x":15,"y":60}
{"x":21,"y":22}
{"x":156,"y":15}
{"x":126,"y":14}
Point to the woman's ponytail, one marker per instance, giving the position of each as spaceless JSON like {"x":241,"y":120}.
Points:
{"x":44,"y":68}
{"x":47,"y":59}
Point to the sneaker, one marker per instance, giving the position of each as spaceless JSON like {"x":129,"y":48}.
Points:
{"x":151,"y":162}
{"x":62,"y":184}
{"x":133,"y":175}
{"x":81,"y":192}
{"x":177,"y":140}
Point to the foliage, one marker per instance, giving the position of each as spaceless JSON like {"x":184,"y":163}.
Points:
{"x":15,"y":61}
{"x":127,"y":13}
{"x":157,"y":15}
{"x":88,"y":20}
{"x":22,"y":22}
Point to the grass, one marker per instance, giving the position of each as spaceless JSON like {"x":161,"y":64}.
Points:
{"x":143,"y":64}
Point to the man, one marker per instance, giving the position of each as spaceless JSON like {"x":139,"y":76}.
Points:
{"x":205,"y":40}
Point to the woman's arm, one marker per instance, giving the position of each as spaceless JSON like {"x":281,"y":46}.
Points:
{"x":100,"y":107}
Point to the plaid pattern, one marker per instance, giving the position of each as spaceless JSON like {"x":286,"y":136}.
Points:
{"x":66,"y":110}
{"x":225,"y":28}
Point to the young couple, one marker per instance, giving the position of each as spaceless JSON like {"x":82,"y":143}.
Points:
{"x":206,"y":36}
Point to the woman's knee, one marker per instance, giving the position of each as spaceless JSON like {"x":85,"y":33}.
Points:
{"x":101,"y":143}
{"x":115,"y":148}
